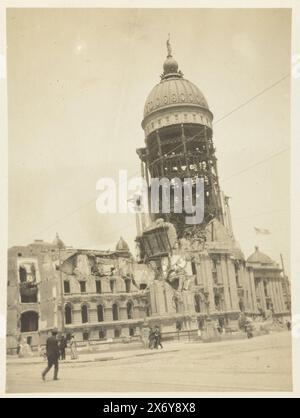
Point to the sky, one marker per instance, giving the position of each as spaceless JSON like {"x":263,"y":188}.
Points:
{"x":77,"y":83}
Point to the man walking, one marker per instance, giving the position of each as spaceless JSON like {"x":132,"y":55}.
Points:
{"x":157,"y":336}
{"x":52,"y":352}
{"x":151,"y":339}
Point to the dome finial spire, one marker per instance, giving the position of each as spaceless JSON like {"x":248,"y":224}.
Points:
{"x":169,"y":48}
{"x":170,"y":64}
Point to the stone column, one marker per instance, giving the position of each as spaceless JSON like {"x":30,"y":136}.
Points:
{"x":223,"y":271}
{"x":253,"y":296}
{"x":262,"y":295}
{"x":270,"y":290}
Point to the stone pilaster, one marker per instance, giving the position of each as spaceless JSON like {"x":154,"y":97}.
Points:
{"x":278,"y":306}
{"x":225,"y":281}
{"x":232,"y":283}
{"x":93,"y":317}
{"x":280,"y":295}
{"x":262,"y":296}
{"x":209,"y":283}
{"x":108,"y":314}
{"x":76,"y":316}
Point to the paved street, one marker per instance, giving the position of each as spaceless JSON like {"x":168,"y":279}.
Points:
{"x":261,"y":364}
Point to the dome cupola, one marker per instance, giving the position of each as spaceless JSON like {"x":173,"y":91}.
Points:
{"x":260,"y":258}
{"x":174,"y":100}
{"x":122,"y":245}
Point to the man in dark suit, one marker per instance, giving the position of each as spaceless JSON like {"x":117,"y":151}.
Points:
{"x":52,"y":352}
{"x":157,"y":336}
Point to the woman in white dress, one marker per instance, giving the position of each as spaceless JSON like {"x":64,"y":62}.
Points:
{"x":73,"y":349}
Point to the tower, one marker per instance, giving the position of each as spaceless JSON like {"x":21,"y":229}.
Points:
{"x":178,"y":142}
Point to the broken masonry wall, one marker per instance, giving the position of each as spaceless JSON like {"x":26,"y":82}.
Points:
{"x":48,"y":292}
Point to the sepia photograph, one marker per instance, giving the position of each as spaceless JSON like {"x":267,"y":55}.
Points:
{"x":149,"y":189}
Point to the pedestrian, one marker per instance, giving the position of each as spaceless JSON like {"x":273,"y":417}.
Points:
{"x":74,"y":355}
{"x":289,"y":325}
{"x":151,"y":339}
{"x":52,"y":352}
{"x":157,"y":335}
{"x":62,"y":347}
{"x":249,"y":330}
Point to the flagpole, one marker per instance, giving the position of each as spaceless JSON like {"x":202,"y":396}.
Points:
{"x":282,"y":265}
{"x":261,"y":232}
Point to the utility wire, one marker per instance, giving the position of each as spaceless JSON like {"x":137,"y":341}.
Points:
{"x":179,"y":146}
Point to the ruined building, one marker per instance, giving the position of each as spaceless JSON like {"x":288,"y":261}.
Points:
{"x":186,"y":277}
{"x":94,"y":295}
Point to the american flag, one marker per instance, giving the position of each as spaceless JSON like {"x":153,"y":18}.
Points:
{"x":261,"y":231}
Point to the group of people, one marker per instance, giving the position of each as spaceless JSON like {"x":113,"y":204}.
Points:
{"x":246,"y":325}
{"x":56,"y":350}
{"x":155,"y":338}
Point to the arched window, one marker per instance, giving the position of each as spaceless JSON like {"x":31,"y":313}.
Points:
{"x":100,"y":313}
{"x":128,"y":285}
{"x":115,"y":312}
{"x":29,"y":321}
{"x":84,"y":314}
{"x":22,"y":274}
{"x":68,"y":314}
{"x":130,"y":310}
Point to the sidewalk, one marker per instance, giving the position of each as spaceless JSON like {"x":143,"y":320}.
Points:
{"x":110,"y":355}
{"x":98,"y":356}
